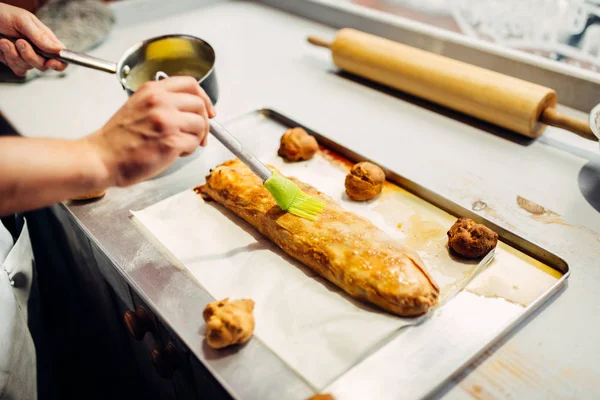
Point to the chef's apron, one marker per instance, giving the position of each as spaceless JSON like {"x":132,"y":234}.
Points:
{"x":17,"y":352}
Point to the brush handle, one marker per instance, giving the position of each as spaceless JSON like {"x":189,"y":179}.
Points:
{"x":232,"y":144}
{"x":238,"y":149}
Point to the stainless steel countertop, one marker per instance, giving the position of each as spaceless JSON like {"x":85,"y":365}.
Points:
{"x":263,"y":60}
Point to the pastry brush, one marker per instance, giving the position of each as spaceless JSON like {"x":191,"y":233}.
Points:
{"x":286,"y":193}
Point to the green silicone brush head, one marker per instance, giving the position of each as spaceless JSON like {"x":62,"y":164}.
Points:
{"x":290,"y":198}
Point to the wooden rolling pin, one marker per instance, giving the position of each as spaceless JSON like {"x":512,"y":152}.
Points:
{"x":518,"y":105}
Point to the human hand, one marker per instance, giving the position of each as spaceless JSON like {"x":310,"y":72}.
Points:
{"x":161,"y":121}
{"x":16,"y":22}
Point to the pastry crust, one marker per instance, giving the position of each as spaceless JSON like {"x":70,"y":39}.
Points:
{"x":322,"y":397}
{"x":90,"y":196}
{"x":346,"y":249}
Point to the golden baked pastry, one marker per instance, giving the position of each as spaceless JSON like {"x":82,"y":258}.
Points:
{"x":228,"y":322}
{"x":322,"y":397}
{"x":90,"y":196}
{"x":345,"y":248}
{"x":364,"y":181}
{"x":470,"y":239}
{"x":296,"y":144}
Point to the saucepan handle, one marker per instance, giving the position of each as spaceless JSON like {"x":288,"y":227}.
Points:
{"x":72,"y":57}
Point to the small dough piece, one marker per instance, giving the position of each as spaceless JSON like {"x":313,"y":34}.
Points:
{"x":296,"y":145}
{"x":322,"y":397}
{"x":228,"y":322}
{"x":470,"y":239}
{"x":364,"y":181}
{"x":90,"y":196}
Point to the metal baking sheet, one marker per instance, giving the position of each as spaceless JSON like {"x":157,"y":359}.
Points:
{"x":414,"y":361}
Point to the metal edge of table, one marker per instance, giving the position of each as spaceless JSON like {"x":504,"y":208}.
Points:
{"x":576,"y":88}
{"x":154,"y":253}
{"x":228,"y":378}
{"x":527,"y":314}
{"x":291,"y":383}
{"x":270,"y":377}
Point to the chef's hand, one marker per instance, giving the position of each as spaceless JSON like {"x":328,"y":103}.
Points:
{"x":16,"y":22}
{"x":161,"y":121}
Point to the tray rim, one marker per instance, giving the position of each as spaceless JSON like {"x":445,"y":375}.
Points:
{"x":291,"y":382}
{"x":548,"y":258}
{"x":508,"y":237}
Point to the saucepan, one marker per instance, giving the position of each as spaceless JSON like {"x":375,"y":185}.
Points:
{"x":172,"y":54}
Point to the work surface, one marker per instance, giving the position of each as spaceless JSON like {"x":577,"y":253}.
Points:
{"x":263,"y":60}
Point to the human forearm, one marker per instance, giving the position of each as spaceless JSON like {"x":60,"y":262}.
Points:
{"x":159,"y":123}
{"x":38,"y":172}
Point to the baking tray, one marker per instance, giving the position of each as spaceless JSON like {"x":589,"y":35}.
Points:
{"x":407,"y":364}
{"x":371,"y":378}
{"x":349,"y":157}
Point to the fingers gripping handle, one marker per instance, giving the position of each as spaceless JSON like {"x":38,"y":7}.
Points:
{"x":71,"y":57}
{"x":232,"y":144}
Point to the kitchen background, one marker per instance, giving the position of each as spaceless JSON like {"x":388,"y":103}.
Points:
{"x":564,"y":30}
{"x":567,"y":31}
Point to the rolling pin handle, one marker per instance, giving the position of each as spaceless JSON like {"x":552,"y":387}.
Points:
{"x":317,"y":41}
{"x":551,"y":116}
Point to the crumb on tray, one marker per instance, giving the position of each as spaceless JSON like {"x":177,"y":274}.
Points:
{"x":200,"y":191}
{"x":470,"y":239}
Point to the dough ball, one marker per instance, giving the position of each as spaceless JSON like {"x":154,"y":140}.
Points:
{"x":228,"y":322}
{"x":322,"y":397}
{"x":364,"y":181}
{"x":470,"y":239}
{"x":90,"y":196}
{"x":297,"y":145}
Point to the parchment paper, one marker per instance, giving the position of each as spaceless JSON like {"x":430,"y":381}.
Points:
{"x":310,"y":324}
{"x":313,"y":326}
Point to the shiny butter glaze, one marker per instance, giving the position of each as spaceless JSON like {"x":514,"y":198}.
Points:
{"x":346,"y":249}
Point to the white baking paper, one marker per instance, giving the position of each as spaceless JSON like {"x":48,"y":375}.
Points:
{"x":311,"y":325}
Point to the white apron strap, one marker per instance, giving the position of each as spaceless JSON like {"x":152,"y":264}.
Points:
{"x":17,"y":352}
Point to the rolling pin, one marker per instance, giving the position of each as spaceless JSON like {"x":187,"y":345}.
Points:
{"x":511,"y":103}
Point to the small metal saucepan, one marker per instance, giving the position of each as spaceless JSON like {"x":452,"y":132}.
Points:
{"x":172,"y":54}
